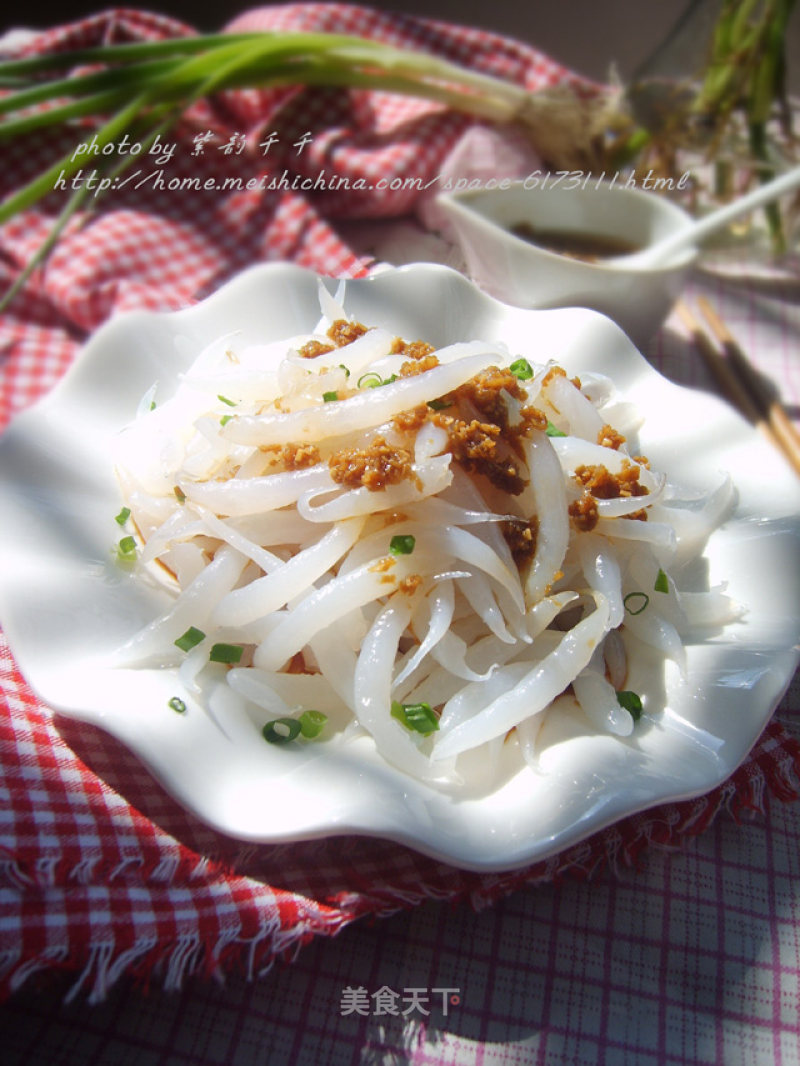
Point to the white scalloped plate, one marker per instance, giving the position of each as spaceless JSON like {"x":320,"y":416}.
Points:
{"x":65,"y":605}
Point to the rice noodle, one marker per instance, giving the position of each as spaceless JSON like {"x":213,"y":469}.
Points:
{"x":426,"y":541}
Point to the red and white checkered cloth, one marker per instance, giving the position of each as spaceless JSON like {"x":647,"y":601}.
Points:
{"x":101,"y":873}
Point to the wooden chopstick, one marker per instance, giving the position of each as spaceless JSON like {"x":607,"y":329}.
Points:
{"x":740,"y":383}
{"x":779,"y":422}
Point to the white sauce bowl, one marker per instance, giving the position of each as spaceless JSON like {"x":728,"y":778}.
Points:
{"x":514,"y":270}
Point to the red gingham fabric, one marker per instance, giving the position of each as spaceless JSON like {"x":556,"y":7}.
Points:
{"x":101,"y":872}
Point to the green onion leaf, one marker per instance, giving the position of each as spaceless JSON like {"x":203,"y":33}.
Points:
{"x":418,"y":717}
{"x":180,"y":495}
{"x":438,"y":405}
{"x":152,"y":405}
{"x":635,"y":602}
{"x":224,"y":399}
{"x":402,"y":544}
{"x":225,"y":653}
{"x":661,"y":585}
{"x":346,"y":370}
{"x":225,"y":420}
{"x":631,"y":702}
{"x":389,"y":380}
{"x":554,"y":431}
{"x":190,"y":639}
{"x":177,"y":705}
{"x":312,"y":723}
{"x":328,"y":396}
{"x":281,"y":730}
{"x":123,"y":516}
{"x":521,"y":369}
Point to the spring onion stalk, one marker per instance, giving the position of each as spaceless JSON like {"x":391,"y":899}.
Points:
{"x":95,"y":85}
{"x":147,"y":78}
{"x":73,"y":205}
{"x":180,"y":65}
{"x":118,"y":53}
{"x":70,"y":163}
{"x":147,"y":87}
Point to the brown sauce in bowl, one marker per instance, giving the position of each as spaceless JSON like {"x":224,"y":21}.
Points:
{"x":586,"y":247}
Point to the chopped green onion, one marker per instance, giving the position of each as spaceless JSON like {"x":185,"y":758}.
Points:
{"x":631,"y":702}
{"x":123,"y":516}
{"x":402,"y":544}
{"x":224,"y":399}
{"x":177,"y":705}
{"x":438,"y":405}
{"x":639,"y":600}
{"x":281,"y":730}
{"x":180,"y":495}
{"x":152,"y":405}
{"x":521,"y":369}
{"x":554,"y":431}
{"x":225,"y":653}
{"x":373,"y":380}
{"x":126,"y":550}
{"x":190,"y":639}
{"x":370,"y":380}
{"x":662,"y":584}
{"x":328,"y":396}
{"x":346,"y":370}
{"x":225,"y":420}
{"x":418,"y":717}
{"x":312,"y":723}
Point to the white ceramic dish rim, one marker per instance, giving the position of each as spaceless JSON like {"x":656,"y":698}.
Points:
{"x":63,"y":603}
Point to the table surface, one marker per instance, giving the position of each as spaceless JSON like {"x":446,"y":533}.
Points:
{"x":706,"y":972}
{"x":544,"y":977}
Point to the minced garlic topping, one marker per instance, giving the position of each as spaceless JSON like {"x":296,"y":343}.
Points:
{"x":604,"y":485}
{"x":374,"y":467}
{"x":343,"y":332}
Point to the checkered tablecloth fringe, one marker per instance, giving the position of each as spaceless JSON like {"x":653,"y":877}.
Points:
{"x":170,"y":913}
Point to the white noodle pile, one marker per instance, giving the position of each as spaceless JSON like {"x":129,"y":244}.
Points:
{"x":266,"y":551}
